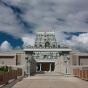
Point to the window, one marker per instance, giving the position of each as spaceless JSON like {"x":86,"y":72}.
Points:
{"x":40,"y":45}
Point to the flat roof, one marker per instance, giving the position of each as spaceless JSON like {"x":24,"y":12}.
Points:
{"x":7,"y":54}
{"x":47,"y":49}
{"x":81,"y":54}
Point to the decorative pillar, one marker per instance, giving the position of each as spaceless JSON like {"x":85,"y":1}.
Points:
{"x":36,"y":68}
{"x":40,"y":66}
{"x":50,"y":67}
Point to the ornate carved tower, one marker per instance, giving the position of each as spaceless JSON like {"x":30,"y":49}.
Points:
{"x":45,"y":39}
{"x":45,"y":50}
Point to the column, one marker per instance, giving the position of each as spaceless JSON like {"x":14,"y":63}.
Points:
{"x":40,"y":67}
{"x":36,"y":68}
{"x":50,"y":67}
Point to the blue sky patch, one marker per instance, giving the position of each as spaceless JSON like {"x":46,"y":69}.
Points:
{"x":73,"y":33}
{"x":14,"y":42}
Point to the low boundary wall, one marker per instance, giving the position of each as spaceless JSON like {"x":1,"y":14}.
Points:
{"x":12,"y":74}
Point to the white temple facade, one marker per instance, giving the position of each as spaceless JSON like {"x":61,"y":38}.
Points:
{"x":46,"y":50}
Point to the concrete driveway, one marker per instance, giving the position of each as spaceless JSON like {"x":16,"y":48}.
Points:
{"x":51,"y":80}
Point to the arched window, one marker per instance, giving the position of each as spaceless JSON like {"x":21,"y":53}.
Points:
{"x":47,"y":44}
{"x":40,"y":45}
{"x":35,"y":45}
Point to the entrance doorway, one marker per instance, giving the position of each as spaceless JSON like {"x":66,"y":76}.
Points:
{"x":52,"y":67}
{"x":45,"y":66}
{"x":38,"y":67}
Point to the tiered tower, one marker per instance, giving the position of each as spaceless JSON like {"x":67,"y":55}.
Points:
{"x":45,"y":39}
{"x":45,"y":50}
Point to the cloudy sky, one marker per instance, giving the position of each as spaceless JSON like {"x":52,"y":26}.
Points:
{"x":20,"y":19}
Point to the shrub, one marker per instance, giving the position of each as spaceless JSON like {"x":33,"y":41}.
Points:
{"x":9,"y":67}
{"x":4,"y":68}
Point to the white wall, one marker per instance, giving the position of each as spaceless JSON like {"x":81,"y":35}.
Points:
{"x":59,"y":65}
{"x":8,"y":59}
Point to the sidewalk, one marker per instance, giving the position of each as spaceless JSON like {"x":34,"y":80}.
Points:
{"x":9,"y":85}
{"x":54,"y":80}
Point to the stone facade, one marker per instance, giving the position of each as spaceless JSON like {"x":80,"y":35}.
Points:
{"x":46,"y":50}
{"x":62,"y":65}
{"x":17,"y":59}
{"x":45,"y":39}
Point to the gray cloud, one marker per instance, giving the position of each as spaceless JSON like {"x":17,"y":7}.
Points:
{"x":79,"y":42}
{"x":59,"y":15}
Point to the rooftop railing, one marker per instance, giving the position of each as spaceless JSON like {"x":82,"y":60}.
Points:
{"x":46,"y":48}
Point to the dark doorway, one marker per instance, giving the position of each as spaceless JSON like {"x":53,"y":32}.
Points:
{"x":38,"y":69}
{"x":52,"y":67}
{"x":45,"y":66}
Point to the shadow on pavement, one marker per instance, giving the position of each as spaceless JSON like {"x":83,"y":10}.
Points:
{"x":42,"y":72}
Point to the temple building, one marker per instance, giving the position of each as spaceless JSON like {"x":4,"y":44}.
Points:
{"x":46,"y":50}
{"x":45,"y":55}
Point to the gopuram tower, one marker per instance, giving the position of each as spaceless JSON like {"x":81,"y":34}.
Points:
{"x":46,"y":50}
